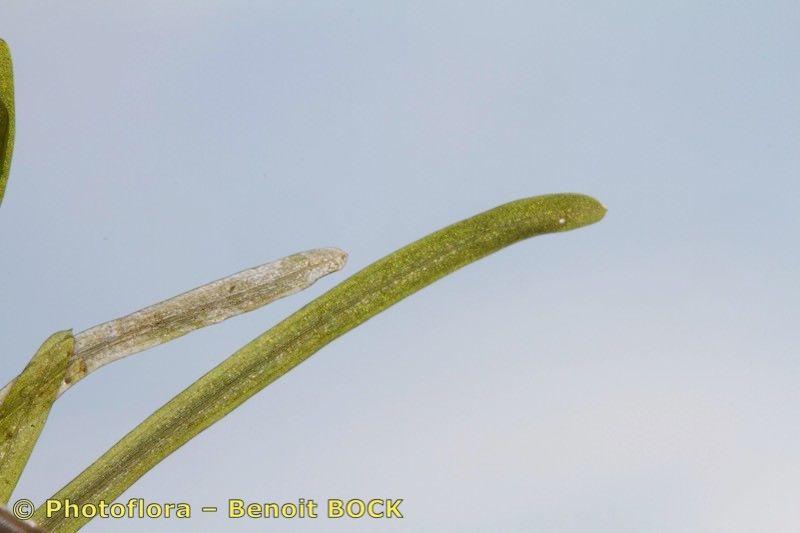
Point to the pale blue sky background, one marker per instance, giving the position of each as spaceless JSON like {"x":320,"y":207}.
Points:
{"x":642,"y":374}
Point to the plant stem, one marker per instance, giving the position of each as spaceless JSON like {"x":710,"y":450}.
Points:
{"x":293,"y":340}
{"x":11,"y":524}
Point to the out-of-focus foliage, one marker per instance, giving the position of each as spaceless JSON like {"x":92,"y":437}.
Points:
{"x":6,"y":115}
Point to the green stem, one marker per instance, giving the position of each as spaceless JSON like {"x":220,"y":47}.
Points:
{"x":293,"y":340}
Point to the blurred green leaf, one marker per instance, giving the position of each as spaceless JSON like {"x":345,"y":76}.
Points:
{"x":6,"y":115}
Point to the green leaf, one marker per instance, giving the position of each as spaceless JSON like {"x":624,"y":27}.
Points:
{"x":299,"y":336}
{"x":25,"y":409}
{"x":6,"y":115}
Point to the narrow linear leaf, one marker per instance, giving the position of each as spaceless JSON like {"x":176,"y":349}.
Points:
{"x":25,"y":409}
{"x":6,"y":115}
{"x":206,"y":305}
{"x":293,"y":340}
